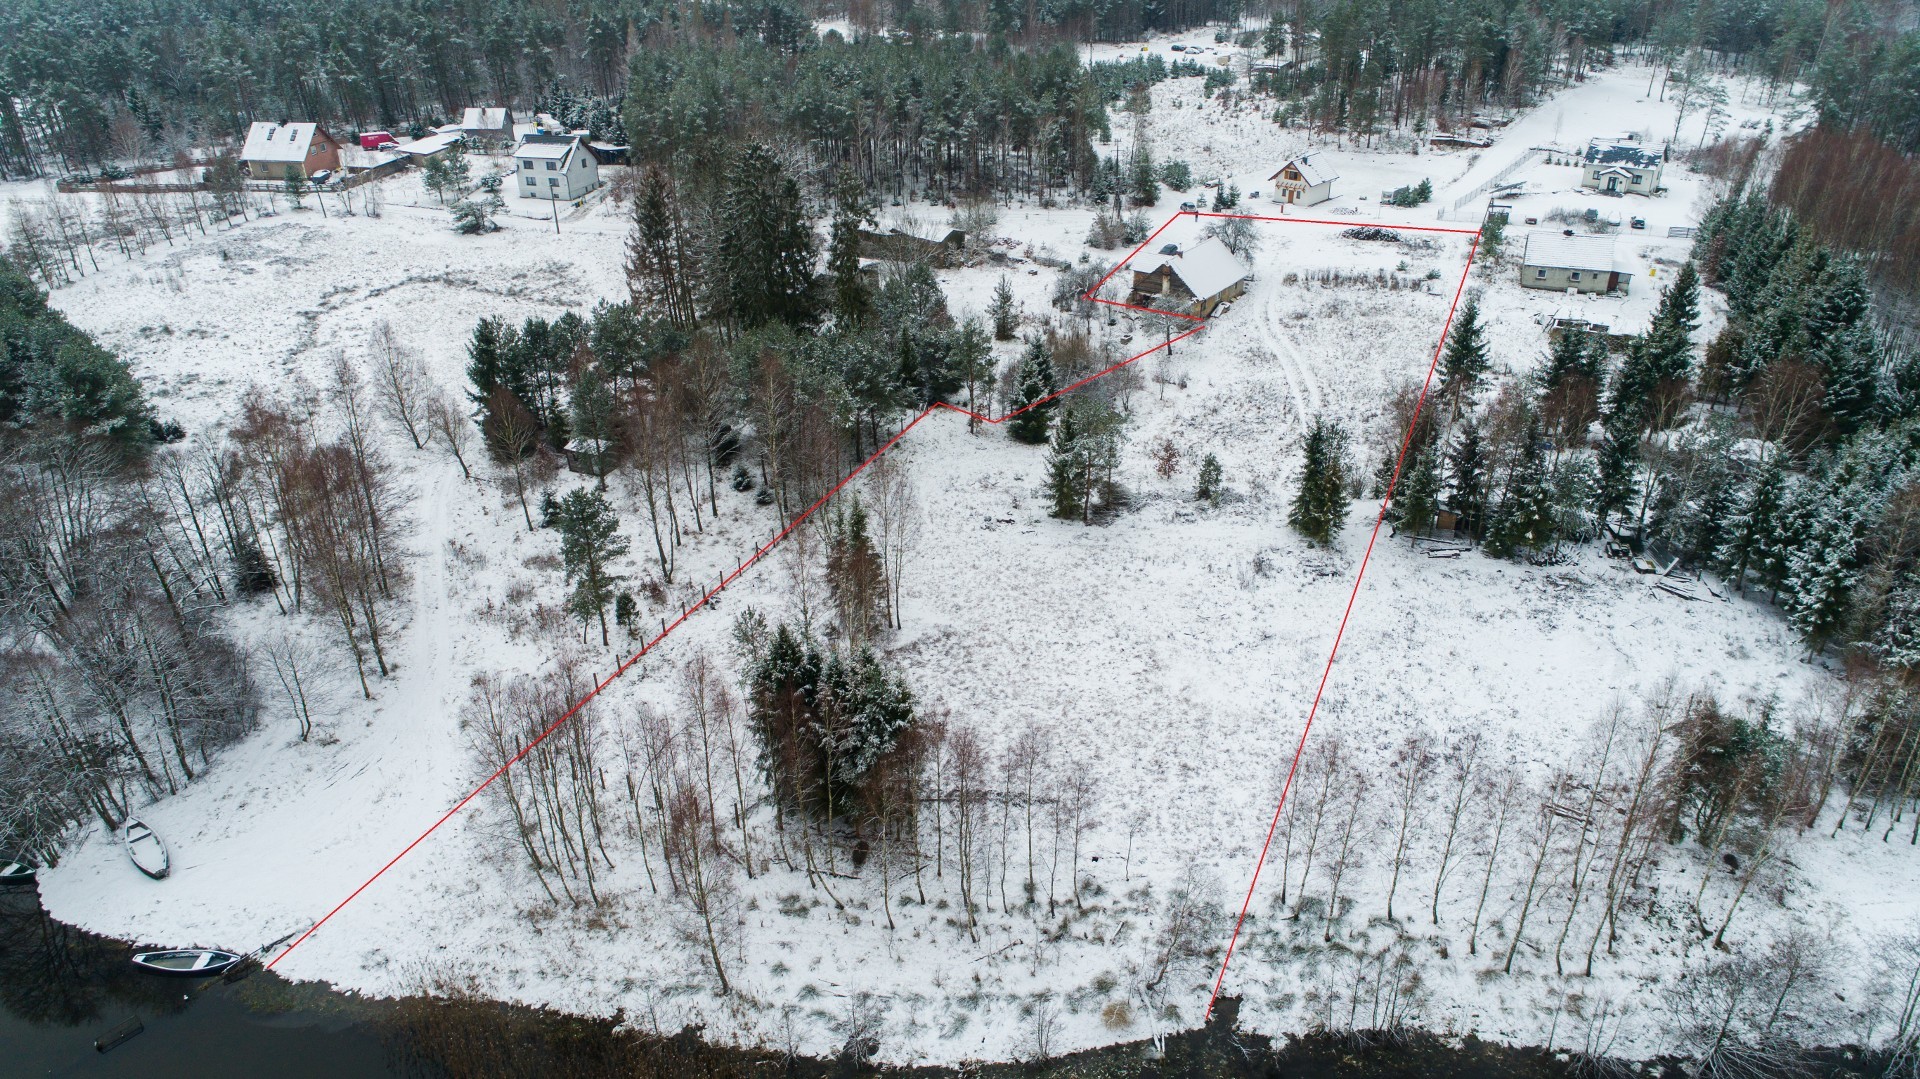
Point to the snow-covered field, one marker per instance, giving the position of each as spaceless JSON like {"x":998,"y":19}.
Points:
{"x":1170,"y":654}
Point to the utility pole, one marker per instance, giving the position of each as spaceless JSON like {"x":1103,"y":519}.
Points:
{"x":556,"y":216}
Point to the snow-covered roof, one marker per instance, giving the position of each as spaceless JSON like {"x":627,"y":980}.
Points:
{"x":1207,"y":268}
{"x":1314,"y":171}
{"x":432,"y":144}
{"x":284,"y":143}
{"x":1615,"y":152}
{"x":484,"y":119}
{"x":1559,"y":251}
{"x":546,"y":147}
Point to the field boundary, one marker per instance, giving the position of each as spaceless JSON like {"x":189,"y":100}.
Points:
{"x":1199,"y":324}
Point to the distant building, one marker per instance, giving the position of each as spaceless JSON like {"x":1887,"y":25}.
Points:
{"x":554,"y":167}
{"x":273,"y":151}
{"x":894,"y":245}
{"x":1562,"y":261}
{"x":1620,"y":167}
{"x":1304,"y":181}
{"x":492,"y":128}
{"x":437,"y":147}
{"x":1195,"y":280}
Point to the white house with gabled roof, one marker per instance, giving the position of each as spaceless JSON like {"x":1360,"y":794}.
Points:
{"x":1563,"y":261}
{"x":488,"y":127}
{"x":554,"y":167}
{"x":1304,"y":181}
{"x":1196,"y":279}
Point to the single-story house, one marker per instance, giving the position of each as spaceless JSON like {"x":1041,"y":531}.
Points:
{"x":1304,"y":181}
{"x":437,"y":147}
{"x":895,"y":245}
{"x":608,"y":153}
{"x":1620,"y":167}
{"x":1563,"y":260}
{"x":589,"y":456}
{"x":488,"y":127}
{"x":274,"y":150}
{"x":554,"y":167}
{"x":1196,"y":279}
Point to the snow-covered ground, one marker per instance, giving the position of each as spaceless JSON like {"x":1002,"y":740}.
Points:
{"x":1170,"y":654}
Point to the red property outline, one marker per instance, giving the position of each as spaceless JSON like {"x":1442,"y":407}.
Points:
{"x":1199,"y":324}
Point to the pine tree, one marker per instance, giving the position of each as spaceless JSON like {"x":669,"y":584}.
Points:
{"x":1465,"y":359}
{"x":763,"y":256}
{"x":1143,"y":181}
{"x":972,"y":363}
{"x":1575,"y":354}
{"x":1895,"y":642}
{"x":592,"y":406}
{"x":1418,"y":495}
{"x":1849,"y":362}
{"x":1467,"y":479}
{"x":489,"y":357}
{"x":852,"y":300}
{"x":1005,"y":315}
{"x":589,"y":542}
{"x":659,"y":268}
{"x":1617,"y":467}
{"x":1035,"y":385}
{"x":1320,"y":506}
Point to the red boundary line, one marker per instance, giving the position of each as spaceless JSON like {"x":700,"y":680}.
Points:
{"x":761,"y":552}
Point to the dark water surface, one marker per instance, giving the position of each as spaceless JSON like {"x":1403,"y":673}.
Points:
{"x":61,"y":988}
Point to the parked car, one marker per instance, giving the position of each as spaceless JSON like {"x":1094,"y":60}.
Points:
{"x":1639,"y":222}
{"x":320,"y":177}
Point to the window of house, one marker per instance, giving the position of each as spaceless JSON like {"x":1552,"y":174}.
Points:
{"x":550,"y":166}
{"x":527,"y":165}
{"x":1539,"y":273}
{"x":553,"y":181}
{"x":1637,"y":178}
{"x":1574,"y":276}
{"x":529,"y":181}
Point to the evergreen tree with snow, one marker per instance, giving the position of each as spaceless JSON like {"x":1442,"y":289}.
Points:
{"x":1319,"y":508}
{"x":1575,"y":354}
{"x":1143,"y":180}
{"x":1524,"y":517}
{"x":1035,"y":386}
{"x":1468,"y":475}
{"x":1753,"y":525}
{"x":852,"y":298}
{"x":1209,"y":487}
{"x":1465,"y":360}
{"x":590,"y":541}
{"x":1895,"y":642}
{"x":1849,"y":362}
{"x":1418,"y":495}
{"x":1003,"y":312}
{"x":1616,"y":466}
{"x":1066,"y":476}
{"x":762,"y":266}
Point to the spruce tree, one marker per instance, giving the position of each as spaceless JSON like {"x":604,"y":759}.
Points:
{"x":1575,"y":354}
{"x":852,"y":300}
{"x":1209,"y":488}
{"x":1033,"y":402}
{"x":763,"y":255}
{"x":1320,"y":506}
{"x":1467,"y":479}
{"x":1006,"y":318}
{"x":1524,"y":518}
{"x":1465,"y":359}
{"x":660,"y":273}
{"x":1617,"y":467}
{"x":1143,"y":181}
{"x":972,"y":363}
{"x":1753,"y":524}
{"x":1418,"y":495}
{"x":592,"y":407}
{"x":1066,"y":477}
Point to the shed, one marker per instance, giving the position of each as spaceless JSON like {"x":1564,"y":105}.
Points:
{"x":589,"y":456}
{"x":275,"y":150}
{"x":1306,"y":181}
{"x":558,"y":167}
{"x":433,"y":148}
{"x":1563,"y":260}
{"x":1620,"y":167}
{"x":1197,"y":279}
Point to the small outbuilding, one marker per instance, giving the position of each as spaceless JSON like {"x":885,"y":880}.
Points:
{"x":1563,"y":261}
{"x":589,"y":456}
{"x":436,"y":147}
{"x":896,"y":245}
{"x":1304,"y":181}
{"x":558,"y":167}
{"x":1195,"y":280}
{"x":273,"y":151}
{"x":1620,"y":168}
